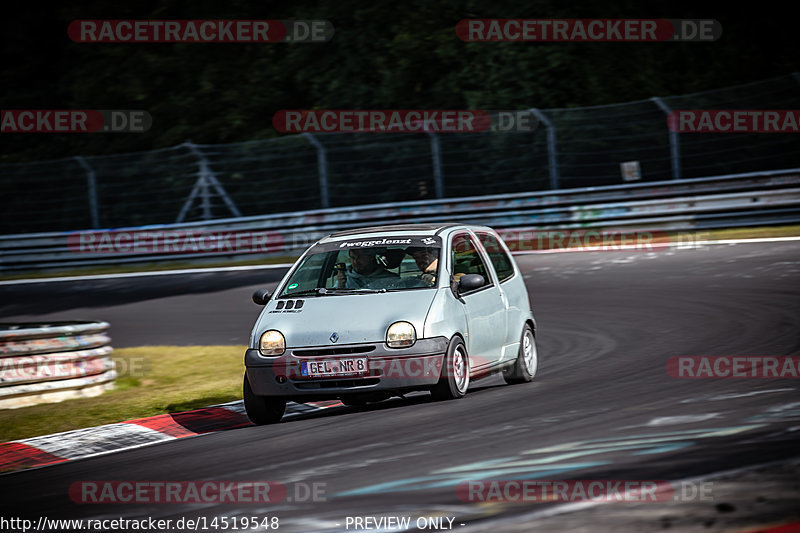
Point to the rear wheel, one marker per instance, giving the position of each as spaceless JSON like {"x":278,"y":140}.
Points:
{"x":524,"y":368}
{"x":455,"y":373}
{"x":262,"y":409}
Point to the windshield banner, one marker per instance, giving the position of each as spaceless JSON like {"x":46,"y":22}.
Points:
{"x":403,"y":241}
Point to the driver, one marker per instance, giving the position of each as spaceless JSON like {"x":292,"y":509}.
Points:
{"x":427,"y":261}
{"x":364,"y":272}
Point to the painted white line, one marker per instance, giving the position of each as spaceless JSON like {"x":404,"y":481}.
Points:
{"x":100,"y":454}
{"x":86,"y":443}
{"x":92,"y":441}
{"x":683,"y":419}
{"x":236,"y":406}
{"x":292,"y":409}
{"x":731,"y":396}
{"x":741,"y":241}
{"x":656,"y":246}
{"x":154,"y":273}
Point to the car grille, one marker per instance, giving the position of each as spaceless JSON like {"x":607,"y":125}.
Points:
{"x":335,"y":383}
{"x":339,"y":350}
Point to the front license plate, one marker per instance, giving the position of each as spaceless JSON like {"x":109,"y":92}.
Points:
{"x":334,"y":367}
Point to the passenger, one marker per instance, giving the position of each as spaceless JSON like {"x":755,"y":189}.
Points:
{"x":365,"y":272}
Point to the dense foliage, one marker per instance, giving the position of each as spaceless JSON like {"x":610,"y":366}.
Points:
{"x":384,"y":55}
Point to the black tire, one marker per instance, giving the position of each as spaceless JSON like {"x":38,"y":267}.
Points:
{"x":262,"y":409}
{"x":354,"y":402}
{"x":454,"y":380}
{"x":524,"y":368}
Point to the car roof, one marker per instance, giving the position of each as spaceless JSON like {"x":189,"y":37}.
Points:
{"x":418,"y":229}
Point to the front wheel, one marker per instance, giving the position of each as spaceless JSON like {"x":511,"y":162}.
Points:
{"x":524,"y":368}
{"x":353,"y":401}
{"x":455,"y":373}
{"x":262,"y":409}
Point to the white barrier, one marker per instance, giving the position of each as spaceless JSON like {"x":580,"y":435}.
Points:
{"x":758,"y":198}
{"x":46,"y":363}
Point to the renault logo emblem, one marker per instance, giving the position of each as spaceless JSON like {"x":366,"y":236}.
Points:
{"x":334,"y":337}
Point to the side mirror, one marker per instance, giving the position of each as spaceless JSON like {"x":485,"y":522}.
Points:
{"x":470,"y":282}
{"x":261,"y":296}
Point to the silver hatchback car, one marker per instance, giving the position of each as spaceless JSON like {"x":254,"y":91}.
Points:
{"x":367,"y":314}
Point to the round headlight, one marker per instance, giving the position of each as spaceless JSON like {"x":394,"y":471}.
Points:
{"x":272,"y":343}
{"x":401,"y":335}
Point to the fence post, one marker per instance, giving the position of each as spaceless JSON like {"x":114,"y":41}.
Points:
{"x":436,"y":153}
{"x":322,"y":169}
{"x":552,"y":157}
{"x":674,"y":141}
{"x":92,"y":189}
{"x":205,"y":179}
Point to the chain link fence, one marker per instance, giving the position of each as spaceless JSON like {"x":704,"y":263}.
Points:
{"x":572,"y":147}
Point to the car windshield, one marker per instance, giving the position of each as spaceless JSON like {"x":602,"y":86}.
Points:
{"x":345,"y":269}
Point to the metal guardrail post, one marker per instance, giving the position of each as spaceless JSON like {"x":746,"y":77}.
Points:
{"x":205,"y":198}
{"x":436,"y":154}
{"x":92,"y":188}
{"x":188,"y":203}
{"x":674,"y":141}
{"x":322,"y":168}
{"x":552,"y":157}
{"x":205,"y":179}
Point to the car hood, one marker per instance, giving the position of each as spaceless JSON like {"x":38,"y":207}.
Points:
{"x":354,"y":318}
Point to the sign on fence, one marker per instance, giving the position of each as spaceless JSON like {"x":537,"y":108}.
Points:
{"x":630,"y":171}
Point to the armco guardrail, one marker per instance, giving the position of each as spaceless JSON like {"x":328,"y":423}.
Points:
{"x":45,"y":363}
{"x":770,"y":197}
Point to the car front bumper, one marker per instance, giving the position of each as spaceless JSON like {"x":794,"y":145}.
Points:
{"x":388,"y":369}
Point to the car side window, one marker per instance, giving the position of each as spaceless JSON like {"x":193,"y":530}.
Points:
{"x":466,"y":259}
{"x":499,"y":258}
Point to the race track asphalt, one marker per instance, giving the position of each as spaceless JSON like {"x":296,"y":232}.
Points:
{"x":601,"y":407}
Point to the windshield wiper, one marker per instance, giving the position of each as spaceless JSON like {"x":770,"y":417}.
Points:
{"x":322,"y":291}
{"x":319,"y":291}
{"x":336,"y":290}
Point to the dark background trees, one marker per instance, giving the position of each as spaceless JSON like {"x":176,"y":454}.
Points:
{"x":384,"y":55}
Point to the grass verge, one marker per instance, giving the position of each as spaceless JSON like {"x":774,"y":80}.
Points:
{"x":762,"y":232}
{"x":155,"y":380}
